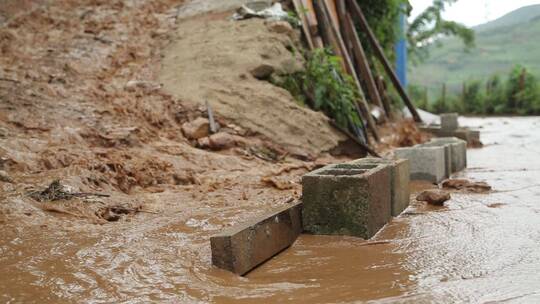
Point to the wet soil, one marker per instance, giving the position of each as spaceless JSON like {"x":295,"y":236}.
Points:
{"x":80,"y":102}
{"x":478,"y":248}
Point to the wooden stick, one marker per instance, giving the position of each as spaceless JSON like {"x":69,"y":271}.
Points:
{"x":381,"y":85}
{"x":336,"y":41}
{"x":362,"y":63}
{"x":313,"y":24}
{"x":359,"y":15}
{"x":355,"y":139}
{"x":301,"y":11}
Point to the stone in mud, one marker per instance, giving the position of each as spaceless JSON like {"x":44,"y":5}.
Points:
{"x":196,"y":129}
{"x":433,"y":197}
{"x":426,"y":163}
{"x":280,"y":27}
{"x":449,"y":122}
{"x":4,"y":177}
{"x":244,"y":247}
{"x":400,"y":172}
{"x":262,"y":72}
{"x":458,"y":151}
{"x":459,"y":184}
{"x":221,"y":140}
{"x":339,"y":201}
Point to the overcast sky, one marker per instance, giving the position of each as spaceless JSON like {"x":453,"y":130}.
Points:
{"x":474,"y":12}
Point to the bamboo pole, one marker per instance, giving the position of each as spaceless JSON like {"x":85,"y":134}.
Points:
{"x":361,"y":19}
{"x":334,"y":39}
{"x":362,"y":63}
{"x":300,"y":9}
{"x":381,"y":85}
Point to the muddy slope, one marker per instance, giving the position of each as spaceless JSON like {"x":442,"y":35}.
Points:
{"x":214,"y":59}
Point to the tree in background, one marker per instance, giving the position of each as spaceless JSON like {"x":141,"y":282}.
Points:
{"x":426,"y":29}
{"x":522,"y":92}
{"x":423,"y":31}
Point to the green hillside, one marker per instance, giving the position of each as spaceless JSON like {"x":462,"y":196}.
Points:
{"x":500,"y":44}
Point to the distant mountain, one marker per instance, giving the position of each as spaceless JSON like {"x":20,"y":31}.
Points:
{"x":519,"y":16}
{"x":500,"y":44}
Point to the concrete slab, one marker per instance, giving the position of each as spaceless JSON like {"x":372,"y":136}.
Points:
{"x":400,"y":172}
{"x":459,"y":151}
{"x":426,"y":163}
{"x":343,"y":201}
{"x":449,"y":122}
{"x":241,"y":248}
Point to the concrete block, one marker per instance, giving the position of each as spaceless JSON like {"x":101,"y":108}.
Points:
{"x":459,"y":151}
{"x":449,"y":122}
{"x":447,"y":155}
{"x":427,"y":163}
{"x":400,"y":173}
{"x":344,"y":201}
{"x":241,"y":248}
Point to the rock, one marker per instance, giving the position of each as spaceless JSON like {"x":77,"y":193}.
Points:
{"x":196,"y":129}
{"x":479,"y":187}
{"x":221,"y":140}
{"x":460,"y":184}
{"x":280,"y":27}
{"x":433,"y":197}
{"x":455,"y":183}
{"x":3,"y":133}
{"x":263,"y":71}
{"x":4,"y":177}
{"x":203,"y":143}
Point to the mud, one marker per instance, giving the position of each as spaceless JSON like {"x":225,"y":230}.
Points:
{"x":80,"y":102}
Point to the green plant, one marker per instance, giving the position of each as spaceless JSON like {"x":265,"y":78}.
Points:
{"x":418,"y":95}
{"x":324,"y":86}
{"x":495,"y":101}
{"x":522,"y":92}
{"x":424,"y":30}
{"x":473,"y":99}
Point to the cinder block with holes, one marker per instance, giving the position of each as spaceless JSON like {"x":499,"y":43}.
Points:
{"x":399,"y":183}
{"x":243,"y":247}
{"x":347,"y":201}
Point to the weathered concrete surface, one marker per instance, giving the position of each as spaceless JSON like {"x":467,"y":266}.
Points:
{"x":459,"y":151}
{"x":426,"y":163}
{"x":400,"y":172}
{"x":241,"y":248}
{"x":449,"y":122}
{"x":472,"y":137}
{"x":447,"y":155}
{"x":355,"y":202}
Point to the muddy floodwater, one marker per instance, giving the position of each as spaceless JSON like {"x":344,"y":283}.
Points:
{"x":479,"y":248}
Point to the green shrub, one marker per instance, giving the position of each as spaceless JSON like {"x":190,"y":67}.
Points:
{"x":324,"y":86}
{"x":522,"y":92}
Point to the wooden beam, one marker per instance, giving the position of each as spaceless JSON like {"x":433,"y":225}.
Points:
{"x":301,"y":11}
{"x":336,"y":41}
{"x":362,"y":63}
{"x":313,"y":24}
{"x":381,"y":85}
{"x":355,"y":9}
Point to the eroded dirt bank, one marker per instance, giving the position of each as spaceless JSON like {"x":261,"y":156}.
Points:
{"x":81,"y":102}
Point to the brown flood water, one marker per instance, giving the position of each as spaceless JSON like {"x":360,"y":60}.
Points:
{"x":480,"y":248}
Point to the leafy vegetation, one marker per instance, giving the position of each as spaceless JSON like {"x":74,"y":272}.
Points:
{"x":324,"y":86}
{"x":424,"y":30}
{"x":518,"y":94}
